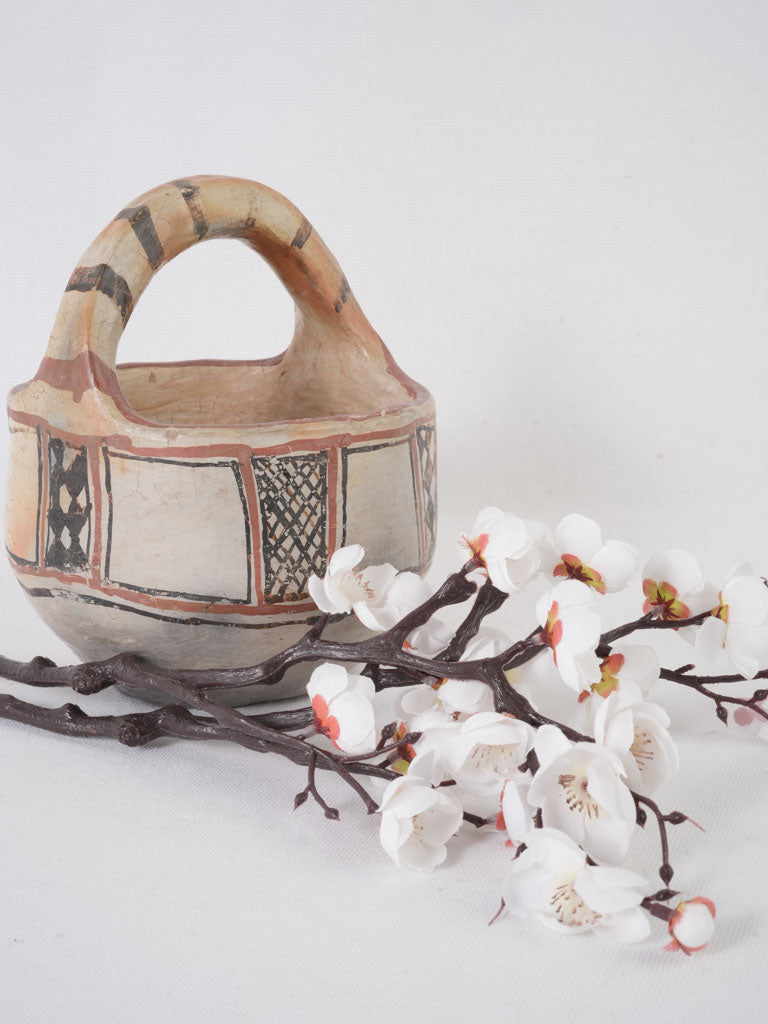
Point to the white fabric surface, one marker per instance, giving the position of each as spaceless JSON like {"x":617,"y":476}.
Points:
{"x":555,"y":215}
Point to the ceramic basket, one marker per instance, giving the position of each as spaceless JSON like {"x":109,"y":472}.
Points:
{"x":176,"y":510}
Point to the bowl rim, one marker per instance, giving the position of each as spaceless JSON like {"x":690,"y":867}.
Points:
{"x":418,"y":396}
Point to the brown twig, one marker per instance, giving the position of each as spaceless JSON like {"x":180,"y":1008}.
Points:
{"x":140,"y":728}
{"x":650,"y":621}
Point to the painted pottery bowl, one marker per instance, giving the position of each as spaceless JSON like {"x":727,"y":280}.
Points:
{"x":177,"y":510}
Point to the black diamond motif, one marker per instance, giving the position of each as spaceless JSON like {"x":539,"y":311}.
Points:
{"x":425,"y":440}
{"x":292,"y":498}
{"x":69,"y":507}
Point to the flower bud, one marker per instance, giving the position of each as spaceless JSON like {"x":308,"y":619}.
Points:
{"x":692,"y":925}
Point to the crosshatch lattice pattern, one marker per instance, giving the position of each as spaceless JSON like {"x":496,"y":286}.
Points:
{"x":292,"y":499}
{"x":425,"y":440}
{"x":69,"y":507}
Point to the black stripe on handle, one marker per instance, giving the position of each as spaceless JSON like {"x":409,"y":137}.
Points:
{"x":141,"y":221}
{"x":102,"y":278}
{"x":305,"y":230}
{"x":191,"y":194}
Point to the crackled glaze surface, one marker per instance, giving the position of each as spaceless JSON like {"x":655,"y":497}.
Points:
{"x":176,"y":510}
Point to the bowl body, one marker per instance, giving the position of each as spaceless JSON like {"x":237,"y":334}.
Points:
{"x":193,"y":545}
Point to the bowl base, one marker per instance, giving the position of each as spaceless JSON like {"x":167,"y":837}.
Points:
{"x":196,"y":645}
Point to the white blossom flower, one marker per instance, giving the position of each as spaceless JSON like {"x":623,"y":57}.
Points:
{"x":487,"y":643}
{"x":345,"y":588}
{"x":552,"y":880}
{"x":443,"y":754}
{"x":583,"y":556}
{"x":488,"y":748}
{"x":470,"y":696}
{"x":419,"y":699}
{"x":637,"y":733}
{"x":631,"y":669}
{"x":434,"y":748}
{"x":406,"y":592}
{"x":692,"y":925}
{"x":738,"y":626}
{"x":343,"y":707}
{"x":458,"y":696}
{"x":417,"y":821}
{"x":379,"y":595}
{"x":580,"y":790}
{"x":507,"y":547}
{"x":675,"y":587}
{"x":453,"y":696}
{"x":429,"y":639}
{"x":571,"y":627}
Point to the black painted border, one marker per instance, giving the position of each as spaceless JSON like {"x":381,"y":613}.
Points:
{"x":189,"y":620}
{"x":345,"y":453}
{"x":234,"y":465}
{"x":426,"y":439}
{"x":17,"y":558}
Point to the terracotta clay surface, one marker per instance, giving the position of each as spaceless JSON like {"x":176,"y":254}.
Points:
{"x":176,"y":510}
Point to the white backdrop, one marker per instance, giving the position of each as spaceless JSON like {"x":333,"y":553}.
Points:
{"x":555,"y":214}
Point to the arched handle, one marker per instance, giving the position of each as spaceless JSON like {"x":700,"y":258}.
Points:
{"x":112,"y":274}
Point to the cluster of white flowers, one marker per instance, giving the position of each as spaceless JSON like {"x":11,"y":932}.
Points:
{"x":566,"y":801}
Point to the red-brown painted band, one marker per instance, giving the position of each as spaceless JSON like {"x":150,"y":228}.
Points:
{"x":122,"y":442}
{"x":95,"y":471}
{"x":80,"y":374}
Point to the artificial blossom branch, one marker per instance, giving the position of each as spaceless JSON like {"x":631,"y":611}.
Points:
{"x":434,"y":724}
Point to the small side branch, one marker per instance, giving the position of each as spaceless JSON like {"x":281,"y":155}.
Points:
{"x":701,"y":684}
{"x":488,"y":600}
{"x":666,"y":870}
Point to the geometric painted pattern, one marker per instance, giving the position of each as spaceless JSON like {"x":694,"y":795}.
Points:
{"x":425,"y":442}
{"x":292,"y":493}
{"x":69,"y":507}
